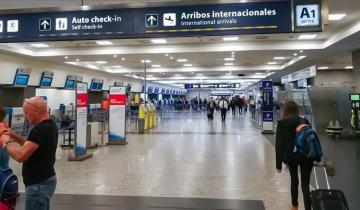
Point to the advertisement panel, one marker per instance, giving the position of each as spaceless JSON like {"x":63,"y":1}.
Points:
{"x":117,"y":115}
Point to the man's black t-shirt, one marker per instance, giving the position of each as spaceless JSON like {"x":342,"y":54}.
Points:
{"x":40,"y":165}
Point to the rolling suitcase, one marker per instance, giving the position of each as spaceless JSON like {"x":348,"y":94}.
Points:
{"x":327,"y":199}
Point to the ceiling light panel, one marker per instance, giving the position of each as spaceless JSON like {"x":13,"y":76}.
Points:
{"x":159,"y":41}
{"x":336,"y":16}
{"x":231,"y":38}
{"x":182,"y":60}
{"x":104,"y":42}
{"x":39,"y":45}
{"x":307,"y":36}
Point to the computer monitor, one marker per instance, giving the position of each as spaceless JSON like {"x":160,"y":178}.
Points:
{"x":46,"y":82}
{"x":69,"y":84}
{"x":355,"y":97}
{"x":22,"y":79}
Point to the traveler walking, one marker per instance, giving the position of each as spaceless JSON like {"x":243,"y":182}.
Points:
{"x":211,"y":108}
{"x":223,"y":104}
{"x":284,"y":146}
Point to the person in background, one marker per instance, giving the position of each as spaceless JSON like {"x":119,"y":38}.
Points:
{"x":223,"y":104}
{"x":233,"y":105}
{"x":205,"y":104}
{"x":245,"y":103}
{"x":200,"y":104}
{"x":37,"y":153}
{"x":211,"y":107}
{"x":4,"y":156}
{"x":252,"y":107}
{"x":285,"y":138}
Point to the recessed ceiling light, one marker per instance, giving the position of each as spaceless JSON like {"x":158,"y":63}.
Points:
{"x":232,"y":53}
{"x":166,"y":55}
{"x":85,"y":7}
{"x":39,"y":45}
{"x":182,"y":60}
{"x":233,"y":56}
{"x":101,"y":62}
{"x":155,"y":66}
{"x":229,"y":59}
{"x":123,"y":59}
{"x":188,"y":65}
{"x":199,"y":74}
{"x":272,"y":63}
{"x":349,"y":67}
{"x":307,"y":36}
{"x":336,"y":16}
{"x":117,"y":66}
{"x":323,"y":67}
{"x":159,"y":41}
{"x":229,"y":64}
{"x":115,"y":56}
{"x":171,"y":58}
{"x":279,"y":58}
{"x":145,"y":61}
{"x":104,"y":42}
{"x":231,"y":38}
{"x":295,"y":54}
{"x":77,"y":60}
{"x":66,"y":57}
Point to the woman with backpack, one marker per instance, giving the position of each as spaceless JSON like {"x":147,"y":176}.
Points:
{"x":286,"y":135}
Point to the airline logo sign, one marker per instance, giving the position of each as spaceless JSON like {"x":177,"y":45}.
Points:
{"x":81,"y":95}
{"x":118,"y":96}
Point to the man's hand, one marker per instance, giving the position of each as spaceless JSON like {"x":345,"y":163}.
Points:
{"x":8,"y":132}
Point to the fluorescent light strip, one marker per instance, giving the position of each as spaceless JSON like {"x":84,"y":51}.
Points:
{"x":336,"y":16}
{"x":156,"y":66}
{"x":39,"y":45}
{"x":279,"y":58}
{"x":104,"y":42}
{"x":272,"y":63}
{"x":307,"y":36}
{"x":231,"y":38}
{"x":182,"y":60}
{"x":349,"y":67}
{"x":323,"y":67}
{"x":101,"y":62}
{"x":229,"y":59}
{"x":159,"y":41}
{"x":229,"y":64}
{"x":188,"y":65}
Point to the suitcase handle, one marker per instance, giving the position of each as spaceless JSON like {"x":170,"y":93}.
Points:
{"x":326,"y":177}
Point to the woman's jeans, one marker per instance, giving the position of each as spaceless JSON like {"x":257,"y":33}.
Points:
{"x":38,"y":196}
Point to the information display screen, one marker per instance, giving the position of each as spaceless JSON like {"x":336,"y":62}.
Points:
{"x":69,"y":84}
{"x":46,"y":82}
{"x":22,"y":79}
{"x":354,"y":97}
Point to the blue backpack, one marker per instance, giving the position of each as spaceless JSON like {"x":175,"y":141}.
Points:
{"x":307,"y":143}
{"x":8,"y":183}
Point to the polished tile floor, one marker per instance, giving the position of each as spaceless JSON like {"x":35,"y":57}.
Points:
{"x":185,"y":156}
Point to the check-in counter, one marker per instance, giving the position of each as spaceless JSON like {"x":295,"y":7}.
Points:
{"x":150,"y":115}
{"x":143,"y":119}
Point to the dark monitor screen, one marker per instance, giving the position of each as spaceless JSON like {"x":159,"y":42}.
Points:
{"x":93,"y":86}
{"x":69,"y":83}
{"x":100,"y":86}
{"x":46,"y":82}
{"x":22,"y":79}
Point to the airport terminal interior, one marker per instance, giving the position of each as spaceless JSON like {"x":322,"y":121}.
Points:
{"x":136,"y":89}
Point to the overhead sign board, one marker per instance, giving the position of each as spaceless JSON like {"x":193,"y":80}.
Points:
{"x":307,"y":15}
{"x":191,"y":86}
{"x":198,"y":20}
{"x":299,"y":75}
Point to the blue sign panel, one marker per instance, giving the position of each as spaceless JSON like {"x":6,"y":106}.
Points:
{"x":77,"y":25}
{"x":268,"y":116}
{"x":201,"y":20}
{"x":217,"y":20}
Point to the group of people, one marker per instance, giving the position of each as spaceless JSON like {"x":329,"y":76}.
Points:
{"x":36,"y":153}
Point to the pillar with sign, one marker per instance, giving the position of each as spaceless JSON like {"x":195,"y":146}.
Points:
{"x":117,"y":116}
{"x":267,"y":106}
{"x":80,"y":151}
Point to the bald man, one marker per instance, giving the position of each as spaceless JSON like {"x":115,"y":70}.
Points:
{"x":37,"y":153}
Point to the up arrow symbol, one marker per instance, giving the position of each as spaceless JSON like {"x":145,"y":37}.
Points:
{"x":152,"y":19}
{"x":45,"y":24}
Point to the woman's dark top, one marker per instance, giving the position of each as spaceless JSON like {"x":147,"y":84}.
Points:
{"x":285,"y":139}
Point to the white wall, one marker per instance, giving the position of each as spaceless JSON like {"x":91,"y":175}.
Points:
{"x":334,"y":78}
{"x":198,"y":93}
{"x":10,"y":62}
{"x":56,"y":97}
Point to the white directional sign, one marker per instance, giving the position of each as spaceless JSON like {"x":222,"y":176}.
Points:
{"x":151,"y":20}
{"x":45,"y":24}
{"x":61,"y":24}
{"x":1,"y":26}
{"x":307,"y":15}
{"x":169,"y":19}
{"x":12,"y":26}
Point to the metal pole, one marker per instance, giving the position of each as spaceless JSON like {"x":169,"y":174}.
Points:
{"x":145,"y":80}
